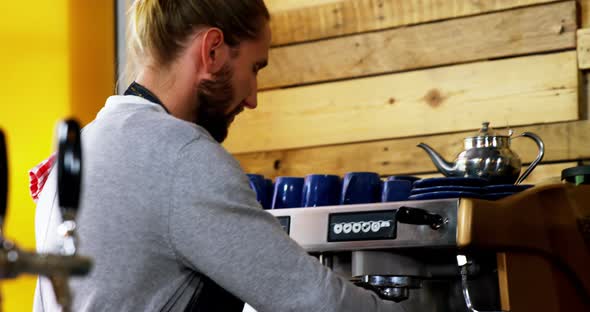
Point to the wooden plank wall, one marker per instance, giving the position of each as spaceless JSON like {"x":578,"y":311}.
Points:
{"x":354,"y":85}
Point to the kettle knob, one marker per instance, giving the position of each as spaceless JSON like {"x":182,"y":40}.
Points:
{"x":485,"y":126}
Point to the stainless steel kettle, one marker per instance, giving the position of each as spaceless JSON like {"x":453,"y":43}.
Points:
{"x":487,"y":155}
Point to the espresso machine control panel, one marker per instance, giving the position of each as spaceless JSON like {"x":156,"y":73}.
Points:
{"x":372,"y":226}
{"x":362,"y":225}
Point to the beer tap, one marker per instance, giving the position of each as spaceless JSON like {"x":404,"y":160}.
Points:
{"x":69,"y":169}
{"x":57,"y":267}
{"x":69,"y":178}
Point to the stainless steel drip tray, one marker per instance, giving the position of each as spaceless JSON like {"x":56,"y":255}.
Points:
{"x":369,"y":226}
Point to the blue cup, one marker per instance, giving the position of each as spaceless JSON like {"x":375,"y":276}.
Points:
{"x":321,"y":190}
{"x":361,"y":188}
{"x":410,"y":178}
{"x":287,"y":192}
{"x":396,"y":190}
{"x":270,"y":187}
{"x":258,"y":184}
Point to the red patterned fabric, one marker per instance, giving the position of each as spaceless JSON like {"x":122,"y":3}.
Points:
{"x":38,"y":176}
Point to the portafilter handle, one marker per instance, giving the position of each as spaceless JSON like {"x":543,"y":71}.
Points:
{"x":388,"y":287}
{"x":419,"y":216}
{"x":69,"y":167}
{"x":3,"y":179}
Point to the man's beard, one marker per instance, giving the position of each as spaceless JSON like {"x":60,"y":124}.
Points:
{"x":215,"y":96}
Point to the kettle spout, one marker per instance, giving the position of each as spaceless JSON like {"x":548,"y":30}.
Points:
{"x":445,"y":167}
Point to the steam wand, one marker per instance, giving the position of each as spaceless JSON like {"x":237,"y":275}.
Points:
{"x":464,"y":263}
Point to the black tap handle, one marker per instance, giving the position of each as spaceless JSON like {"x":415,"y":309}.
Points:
{"x":3,"y":178}
{"x":69,"y":167}
{"x":418,"y":216}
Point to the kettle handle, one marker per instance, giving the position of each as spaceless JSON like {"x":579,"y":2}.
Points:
{"x":534,"y":164}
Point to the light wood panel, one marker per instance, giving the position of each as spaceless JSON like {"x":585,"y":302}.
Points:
{"x":563,"y":141}
{"x":503,"y":281}
{"x":548,"y":173}
{"x":304,"y":20}
{"x":517,"y":91}
{"x":515,"y":32}
{"x":282,"y":5}
{"x":585,"y":13}
{"x":584,"y":48}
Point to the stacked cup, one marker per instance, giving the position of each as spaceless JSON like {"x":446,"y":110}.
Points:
{"x":261,"y":187}
{"x":321,"y":190}
{"x":397,"y":188}
{"x":361,"y":188}
{"x":317,"y":190}
{"x":287,"y":192}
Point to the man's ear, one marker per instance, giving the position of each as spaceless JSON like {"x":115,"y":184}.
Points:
{"x":214,"y":52}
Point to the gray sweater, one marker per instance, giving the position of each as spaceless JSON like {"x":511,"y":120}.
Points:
{"x":167,"y":215}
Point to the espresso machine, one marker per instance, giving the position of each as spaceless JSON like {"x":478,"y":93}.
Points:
{"x":15,"y":261}
{"x":526,"y":252}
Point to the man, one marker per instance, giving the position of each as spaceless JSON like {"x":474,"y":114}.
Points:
{"x":166,"y":213}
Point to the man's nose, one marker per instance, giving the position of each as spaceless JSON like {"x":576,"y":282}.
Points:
{"x":252,"y":100}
